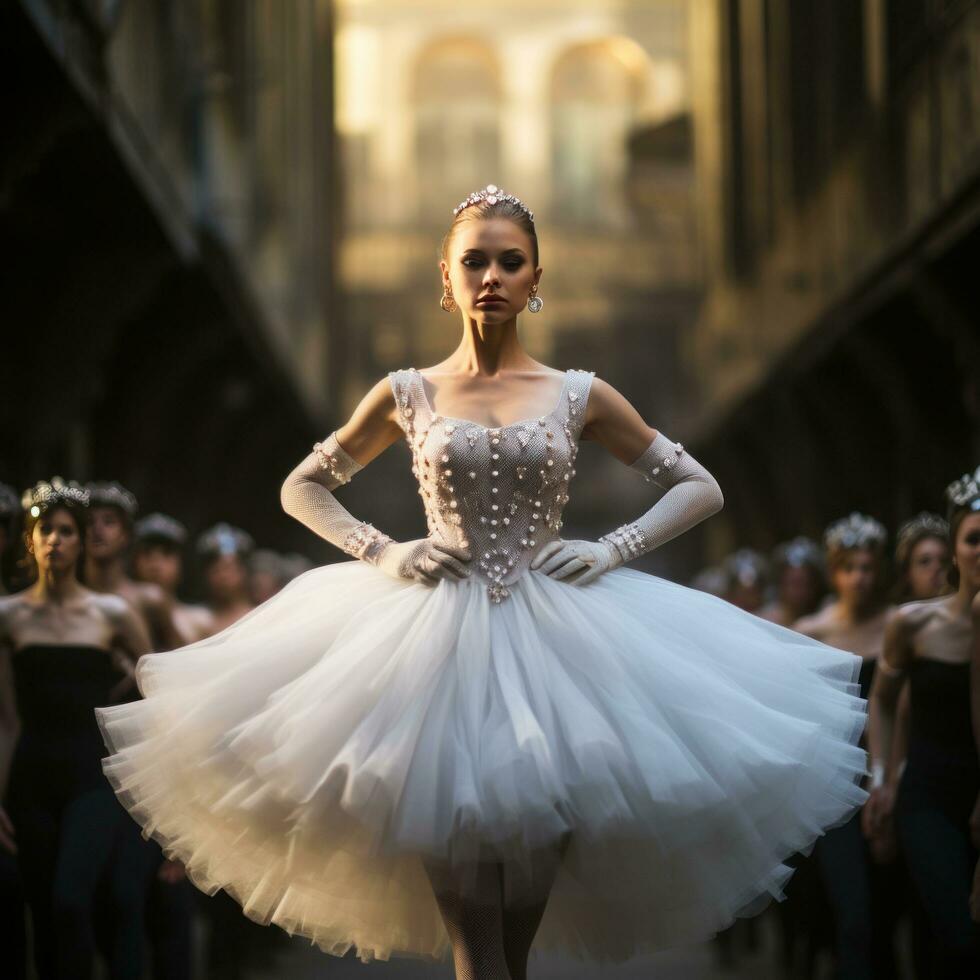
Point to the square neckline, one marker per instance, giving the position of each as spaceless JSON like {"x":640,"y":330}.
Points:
{"x":492,"y":428}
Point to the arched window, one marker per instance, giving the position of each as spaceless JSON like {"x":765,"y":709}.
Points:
{"x":597,"y":89}
{"x":456,"y":94}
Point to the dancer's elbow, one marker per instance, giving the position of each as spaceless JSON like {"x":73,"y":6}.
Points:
{"x":287,"y":495}
{"x":717,"y":497}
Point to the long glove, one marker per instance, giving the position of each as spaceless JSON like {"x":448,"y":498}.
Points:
{"x":307,"y":495}
{"x":692,"y":495}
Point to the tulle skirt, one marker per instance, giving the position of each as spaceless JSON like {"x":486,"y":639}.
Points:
{"x":326,"y":758}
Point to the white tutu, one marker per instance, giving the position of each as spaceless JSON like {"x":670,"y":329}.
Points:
{"x":308,"y":758}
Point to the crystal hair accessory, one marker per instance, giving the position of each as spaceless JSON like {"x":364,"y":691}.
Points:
{"x":492,"y":194}
{"x":161,"y":527}
{"x":9,"y":502}
{"x":112,"y":494}
{"x":40,"y":498}
{"x":965,"y":492}
{"x":855,"y":531}
{"x":224,"y":539}
{"x":923,"y":523}
{"x":800,"y":552}
{"x":746,"y":567}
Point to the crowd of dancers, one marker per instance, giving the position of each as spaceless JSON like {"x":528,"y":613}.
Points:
{"x":88,"y":587}
{"x":894,"y":892}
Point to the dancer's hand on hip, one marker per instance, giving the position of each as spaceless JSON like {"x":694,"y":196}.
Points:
{"x":424,"y":560}
{"x":576,"y":562}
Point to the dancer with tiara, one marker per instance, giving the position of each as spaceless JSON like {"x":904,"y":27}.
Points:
{"x":65,"y":650}
{"x":860,"y":875}
{"x":929,"y":643}
{"x":491,"y":734}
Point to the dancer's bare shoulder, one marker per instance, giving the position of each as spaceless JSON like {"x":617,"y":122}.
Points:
{"x":615,"y":423}
{"x":910,"y":617}
{"x":373,"y":425}
{"x":7,"y":603}
{"x":817,"y":625}
{"x":14,"y":609}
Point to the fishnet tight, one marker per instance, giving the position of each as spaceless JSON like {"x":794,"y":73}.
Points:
{"x":491,"y":941}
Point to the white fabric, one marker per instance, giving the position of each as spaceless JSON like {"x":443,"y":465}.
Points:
{"x":307,"y":495}
{"x":692,"y":496}
{"x":315,"y":756}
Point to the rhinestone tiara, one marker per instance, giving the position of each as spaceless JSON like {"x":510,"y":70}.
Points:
{"x":112,"y":494}
{"x":798,"y":553}
{"x":923,"y":525}
{"x":225,"y":539}
{"x":44,"y":495}
{"x":160,"y":527}
{"x":855,"y":531}
{"x":9,"y":503}
{"x":492,"y":194}
{"x":965,"y":492}
{"x":746,"y":567}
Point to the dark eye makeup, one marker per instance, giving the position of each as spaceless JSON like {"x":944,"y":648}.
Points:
{"x":510,"y":264}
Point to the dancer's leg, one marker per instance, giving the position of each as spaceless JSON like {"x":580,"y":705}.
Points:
{"x":940,"y":859}
{"x":520,"y":923}
{"x":473,"y":921}
{"x":521,"y":920}
{"x":36,"y":820}
{"x":842,"y":857}
{"x":89,"y":827}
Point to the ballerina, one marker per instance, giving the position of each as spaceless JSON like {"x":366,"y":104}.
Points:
{"x":224,"y":551}
{"x":107,"y":544}
{"x":158,"y":559}
{"x":491,"y":735}
{"x":798,"y":565}
{"x":929,"y":644}
{"x":65,"y":649}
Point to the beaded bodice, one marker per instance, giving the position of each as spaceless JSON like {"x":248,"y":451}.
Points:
{"x":500,"y":491}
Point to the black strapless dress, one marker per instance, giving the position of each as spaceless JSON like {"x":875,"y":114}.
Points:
{"x":70,"y":829}
{"x":60,"y":750}
{"x":941,"y":771}
{"x":935,"y":798}
{"x":866,"y":676}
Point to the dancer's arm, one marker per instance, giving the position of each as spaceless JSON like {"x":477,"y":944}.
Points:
{"x":307,"y":494}
{"x":158,"y":608}
{"x":9,"y":725}
{"x":692,"y":494}
{"x":130,"y":640}
{"x":975,"y":715}
{"x":900,"y":738}
{"x":889,"y":676}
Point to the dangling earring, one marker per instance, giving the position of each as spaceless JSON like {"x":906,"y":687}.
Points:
{"x":535,"y":302}
{"x":447,"y":302}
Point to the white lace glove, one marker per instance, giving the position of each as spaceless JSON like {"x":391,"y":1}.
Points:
{"x":424,"y":560}
{"x":307,"y":495}
{"x":561,"y":559}
{"x":692,"y":495}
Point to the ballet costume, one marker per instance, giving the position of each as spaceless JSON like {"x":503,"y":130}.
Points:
{"x":319,"y":757}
